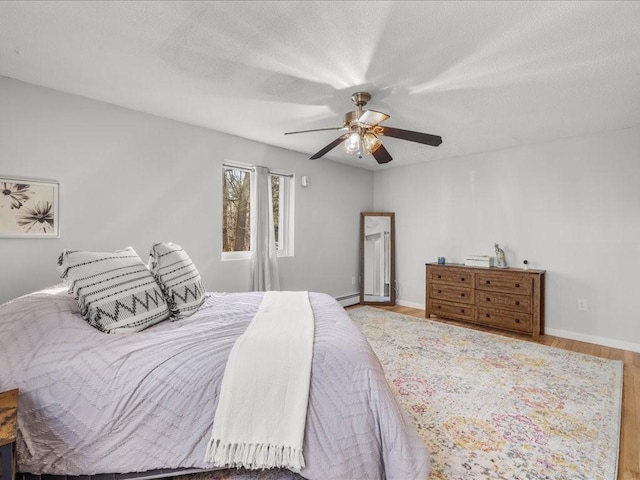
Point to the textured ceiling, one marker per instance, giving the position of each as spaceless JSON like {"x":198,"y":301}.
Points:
{"x":483,"y":75}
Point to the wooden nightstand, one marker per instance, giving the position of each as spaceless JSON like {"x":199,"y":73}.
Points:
{"x":8,"y":414}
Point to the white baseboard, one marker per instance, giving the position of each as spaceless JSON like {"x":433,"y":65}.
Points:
{"x":399,"y":302}
{"x":404,"y":303}
{"x":581,"y":337}
{"x":605,"y":342}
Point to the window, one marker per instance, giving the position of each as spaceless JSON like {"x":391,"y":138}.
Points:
{"x":236,"y":211}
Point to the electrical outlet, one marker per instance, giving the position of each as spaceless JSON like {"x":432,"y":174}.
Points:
{"x":582,"y":304}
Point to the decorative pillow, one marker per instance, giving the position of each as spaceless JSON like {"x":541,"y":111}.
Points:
{"x":115,"y":290}
{"x":178,"y":277}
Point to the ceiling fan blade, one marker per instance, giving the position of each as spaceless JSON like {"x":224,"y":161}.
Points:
{"x":314,"y":130}
{"x":371,"y":118}
{"x":330,"y":147}
{"x":418,"y":137}
{"x":382,"y":155}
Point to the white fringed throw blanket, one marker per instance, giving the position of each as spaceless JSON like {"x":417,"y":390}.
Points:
{"x":262,"y":411}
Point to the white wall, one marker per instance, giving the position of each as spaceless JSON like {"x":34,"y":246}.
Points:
{"x":127,"y":178}
{"x":570,"y":207}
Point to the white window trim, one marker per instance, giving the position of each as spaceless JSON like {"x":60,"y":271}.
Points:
{"x":287,"y":205}
{"x":233,"y":256}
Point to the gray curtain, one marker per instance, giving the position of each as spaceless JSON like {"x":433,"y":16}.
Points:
{"x":264,"y":264}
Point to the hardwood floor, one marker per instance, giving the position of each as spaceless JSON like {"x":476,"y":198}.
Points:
{"x":629,"y":457}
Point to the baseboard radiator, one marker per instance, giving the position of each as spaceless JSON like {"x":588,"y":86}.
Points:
{"x":348,"y":300}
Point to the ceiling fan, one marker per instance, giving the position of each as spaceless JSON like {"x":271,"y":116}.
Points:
{"x":363,"y":129}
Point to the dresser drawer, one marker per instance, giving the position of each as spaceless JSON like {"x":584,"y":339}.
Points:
{"x":451,"y":293}
{"x":517,"y":283}
{"x":504,"y":301}
{"x":520,"y":322}
{"x":450,"y":310}
{"x":453,"y":276}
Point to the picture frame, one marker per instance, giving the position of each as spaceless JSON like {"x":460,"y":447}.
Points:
{"x":29,"y":208}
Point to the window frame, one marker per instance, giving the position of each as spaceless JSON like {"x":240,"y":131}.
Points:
{"x":286,"y":212}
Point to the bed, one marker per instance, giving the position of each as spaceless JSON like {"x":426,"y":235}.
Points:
{"x":93,"y":403}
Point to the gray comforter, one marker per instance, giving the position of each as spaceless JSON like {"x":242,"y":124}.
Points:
{"x":93,"y":403}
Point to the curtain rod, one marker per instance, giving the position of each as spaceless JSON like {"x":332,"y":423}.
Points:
{"x":251,"y":168}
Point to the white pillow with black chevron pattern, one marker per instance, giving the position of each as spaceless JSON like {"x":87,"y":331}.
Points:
{"x":115,"y":290}
{"x":178,"y":277}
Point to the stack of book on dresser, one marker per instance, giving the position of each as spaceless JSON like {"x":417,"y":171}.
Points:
{"x":479,"y":261}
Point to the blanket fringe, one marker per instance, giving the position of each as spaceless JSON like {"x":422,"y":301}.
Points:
{"x":254,"y":456}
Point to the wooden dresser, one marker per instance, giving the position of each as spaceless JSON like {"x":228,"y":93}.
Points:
{"x":506,"y":298}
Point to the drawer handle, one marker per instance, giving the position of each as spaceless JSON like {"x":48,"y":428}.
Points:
{"x":462,"y":279}
{"x":517,"y":302}
{"x":488,"y":282}
{"x":517,"y":285}
{"x":439,"y":276}
{"x":438,"y":307}
{"x":462,"y":294}
{"x":487,"y":315}
{"x":517,"y":320}
{"x":488,"y":299}
{"x":439,"y":291}
{"x":462,"y":310}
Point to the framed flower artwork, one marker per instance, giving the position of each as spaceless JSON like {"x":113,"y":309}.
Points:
{"x":29,"y":208}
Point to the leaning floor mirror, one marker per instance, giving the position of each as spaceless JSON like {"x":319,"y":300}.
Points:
{"x":377,"y":258}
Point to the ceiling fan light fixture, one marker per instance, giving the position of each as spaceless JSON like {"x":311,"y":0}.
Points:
{"x":362,"y":130}
{"x":371,"y":142}
{"x":352,"y":144}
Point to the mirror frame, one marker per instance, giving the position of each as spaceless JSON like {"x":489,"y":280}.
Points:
{"x":392,"y":256}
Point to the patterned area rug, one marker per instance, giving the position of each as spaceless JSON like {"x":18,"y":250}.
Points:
{"x":492,"y":407}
